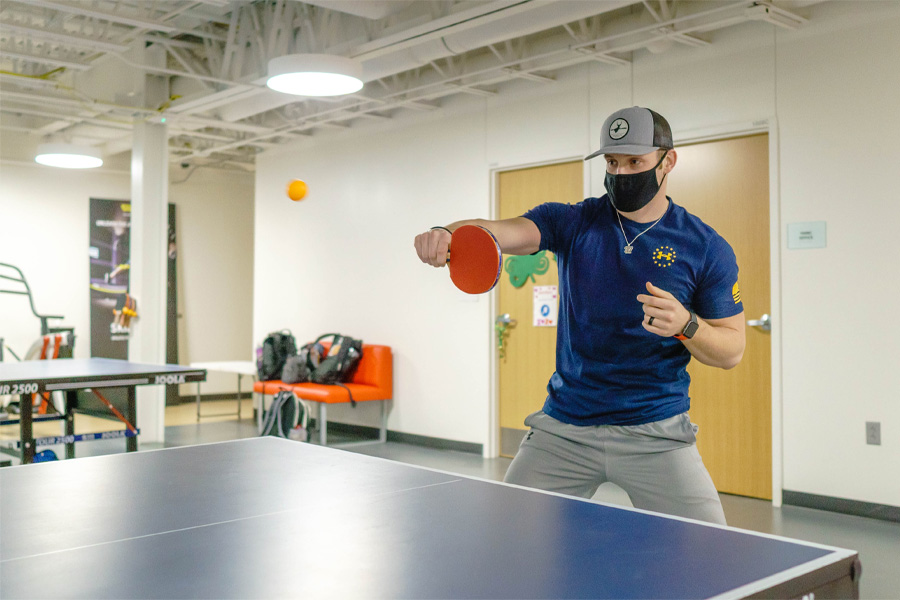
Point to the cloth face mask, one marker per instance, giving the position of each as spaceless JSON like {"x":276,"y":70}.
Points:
{"x":629,"y":193}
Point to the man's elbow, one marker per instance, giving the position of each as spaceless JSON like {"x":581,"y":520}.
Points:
{"x":732,"y":361}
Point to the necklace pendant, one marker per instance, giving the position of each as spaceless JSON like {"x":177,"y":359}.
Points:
{"x":628,"y":249}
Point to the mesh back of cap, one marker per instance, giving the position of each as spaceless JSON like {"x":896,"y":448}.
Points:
{"x":662,"y":133}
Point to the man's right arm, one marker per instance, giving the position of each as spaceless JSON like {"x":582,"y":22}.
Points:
{"x":516,"y":236}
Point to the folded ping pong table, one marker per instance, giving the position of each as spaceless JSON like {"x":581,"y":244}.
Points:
{"x":72,"y":374}
{"x":268,"y":517}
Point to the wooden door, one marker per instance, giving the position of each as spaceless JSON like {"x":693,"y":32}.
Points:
{"x":726,"y":184}
{"x":529,"y":352}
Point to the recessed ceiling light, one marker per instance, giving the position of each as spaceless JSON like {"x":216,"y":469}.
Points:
{"x":68,"y":156}
{"x":315,"y":75}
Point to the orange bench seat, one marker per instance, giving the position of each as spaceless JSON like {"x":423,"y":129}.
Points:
{"x":373,"y":380}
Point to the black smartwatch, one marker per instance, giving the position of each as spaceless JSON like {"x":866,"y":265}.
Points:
{"x":690,"y":329}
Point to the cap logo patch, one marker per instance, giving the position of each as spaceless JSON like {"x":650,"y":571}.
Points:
{"x":618,"y":129}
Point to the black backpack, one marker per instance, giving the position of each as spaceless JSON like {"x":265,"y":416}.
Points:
{"x":340,"y":362}
{"x":287,"y":417}
{"x":297,"y":369}
{"x":271,"y":356}
{"x":338,"y":365}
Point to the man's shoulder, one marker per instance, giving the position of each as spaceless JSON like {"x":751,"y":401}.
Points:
{"x":694,"y":226}
{"x":589,"y":207}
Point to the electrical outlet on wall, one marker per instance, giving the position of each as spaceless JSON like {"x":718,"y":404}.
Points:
{"x":873,"y":433}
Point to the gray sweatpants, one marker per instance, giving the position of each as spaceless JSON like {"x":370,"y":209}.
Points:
{"x":657,"y":464}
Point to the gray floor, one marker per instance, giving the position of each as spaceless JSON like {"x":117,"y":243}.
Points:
{"x":878,"y":542}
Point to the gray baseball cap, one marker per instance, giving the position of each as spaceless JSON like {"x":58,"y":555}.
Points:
{"x":634,"y":131}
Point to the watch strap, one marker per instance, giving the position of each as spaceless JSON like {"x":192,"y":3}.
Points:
{"x":688,"y":326}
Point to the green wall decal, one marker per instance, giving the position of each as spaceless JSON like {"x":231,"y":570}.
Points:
{"x":520,"y":268}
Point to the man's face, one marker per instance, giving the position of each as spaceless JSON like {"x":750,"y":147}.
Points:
{"x":628,"y":164}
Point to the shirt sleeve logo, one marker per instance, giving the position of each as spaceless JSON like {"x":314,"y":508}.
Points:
{"x":736,"y":293}
{"x":664,"y":256}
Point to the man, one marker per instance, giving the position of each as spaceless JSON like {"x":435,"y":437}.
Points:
{"x":644,"y":286}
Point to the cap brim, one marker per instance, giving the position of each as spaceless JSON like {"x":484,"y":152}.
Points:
{"x":630,"y":150}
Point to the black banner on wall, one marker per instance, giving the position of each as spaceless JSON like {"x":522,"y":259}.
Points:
{"x":172,"y":306}
{"x":110,"y":256}
{"x":110,"y":252}
{"x":110,"y":260}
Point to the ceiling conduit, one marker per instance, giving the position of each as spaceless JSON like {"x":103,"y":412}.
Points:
{"x":453,"y":35}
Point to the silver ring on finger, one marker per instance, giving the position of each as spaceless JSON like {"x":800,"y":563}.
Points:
{"x":650,"y":322}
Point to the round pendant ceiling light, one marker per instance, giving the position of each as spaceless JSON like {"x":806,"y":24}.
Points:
{"x":315,"y":75}
{"x":68,"y":156}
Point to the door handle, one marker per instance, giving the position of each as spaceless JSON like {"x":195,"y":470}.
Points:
{"x":764,"y":323}
{"x":506,"y":320}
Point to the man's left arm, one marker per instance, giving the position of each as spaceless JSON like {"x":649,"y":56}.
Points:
{"x":717,"y":342}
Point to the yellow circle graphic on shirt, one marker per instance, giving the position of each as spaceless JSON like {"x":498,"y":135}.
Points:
{"x":664,"y":256}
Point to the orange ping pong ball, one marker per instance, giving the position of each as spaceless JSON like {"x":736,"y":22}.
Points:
{"x":296,"y":190}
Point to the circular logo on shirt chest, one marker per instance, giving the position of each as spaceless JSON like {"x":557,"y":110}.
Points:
{"x":664,"y":256}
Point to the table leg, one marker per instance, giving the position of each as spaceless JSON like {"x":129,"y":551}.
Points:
{"x":26,"y":433}
{"x":198,"y":401}
{"x":131,"y":444}
{"x":71,"y":405}
{"x":259,"y":412}
{"x":239,"y":397}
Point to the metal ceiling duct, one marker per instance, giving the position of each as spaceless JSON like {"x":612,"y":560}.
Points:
{"x":368,"y":9}
{"x":489,"y":23}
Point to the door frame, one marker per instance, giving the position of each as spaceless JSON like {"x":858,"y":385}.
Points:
{"x":767,"y":125}
{"x":492,"y":448}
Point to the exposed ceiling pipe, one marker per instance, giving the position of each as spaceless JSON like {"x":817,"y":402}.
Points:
{"x":541,"y":17}
{"x":622,"y":39}
{"x":84,"y":10}
{"x":519,"y":19}
{"x":368,"y":9}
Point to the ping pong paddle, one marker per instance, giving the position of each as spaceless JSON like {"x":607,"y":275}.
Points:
{"x":474,"y":259}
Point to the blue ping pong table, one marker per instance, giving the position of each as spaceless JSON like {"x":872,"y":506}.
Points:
{"x":274,"y":518}
{"x":70,"y":375}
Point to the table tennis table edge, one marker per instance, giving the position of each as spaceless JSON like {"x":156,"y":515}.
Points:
{"x":835,"y":549}
{"x":835,"y":555}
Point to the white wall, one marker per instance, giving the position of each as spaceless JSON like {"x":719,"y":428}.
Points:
{"x":343,"y":259}
{"x":214,"y":212}
{"x":44,"y":230}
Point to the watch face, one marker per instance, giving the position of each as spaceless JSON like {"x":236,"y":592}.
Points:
{"x":691,"y":328}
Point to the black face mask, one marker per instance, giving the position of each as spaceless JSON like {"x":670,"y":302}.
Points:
{"x":629,"y":193}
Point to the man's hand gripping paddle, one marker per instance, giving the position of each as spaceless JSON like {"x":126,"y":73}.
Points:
{"x":474,"y":259}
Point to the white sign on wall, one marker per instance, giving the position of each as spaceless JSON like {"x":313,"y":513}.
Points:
{"x":546,"y":300}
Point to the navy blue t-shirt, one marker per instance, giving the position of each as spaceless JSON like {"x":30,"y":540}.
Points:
{"x":609,"y":369}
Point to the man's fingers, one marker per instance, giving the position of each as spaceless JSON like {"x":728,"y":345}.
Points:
{"x":652,"y":327}
{"x":654,"y":301}
{"x":432,"y":246}
{"x":441,"y":243}
{"x":652,"y":311}
{"x":659,"y":293}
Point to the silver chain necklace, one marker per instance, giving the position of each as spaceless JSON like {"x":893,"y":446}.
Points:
{"x":629,"y":246}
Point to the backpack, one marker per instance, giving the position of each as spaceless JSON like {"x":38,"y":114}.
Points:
{"x":338,"y":364}
{"x":299,"y":368}
{"x":287,"y":417}
{"x":271,"y":356}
